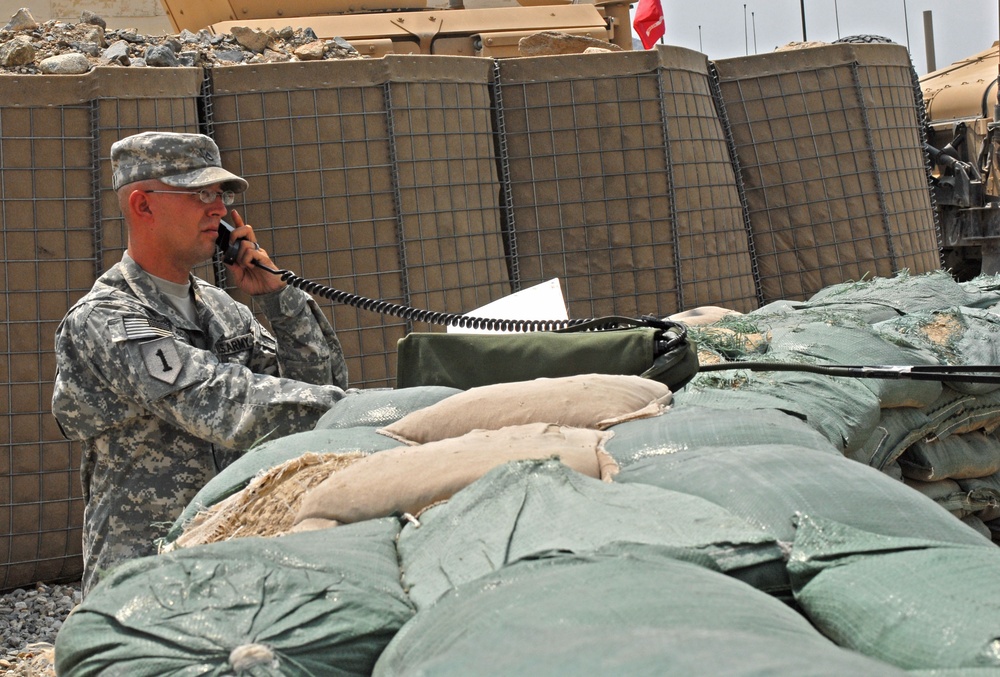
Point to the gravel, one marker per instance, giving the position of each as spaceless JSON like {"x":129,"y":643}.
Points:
{"x":29,"y":622}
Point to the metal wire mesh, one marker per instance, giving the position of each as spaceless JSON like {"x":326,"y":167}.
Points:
{"x":379,"y":186}
{"x":622,"y":186}
{"x":828,"y":143}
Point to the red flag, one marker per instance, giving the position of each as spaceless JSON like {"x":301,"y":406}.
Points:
{"x":648,"y":22}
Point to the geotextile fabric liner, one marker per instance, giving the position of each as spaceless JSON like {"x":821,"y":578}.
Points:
{"x":260,"y":459}
{"x":323,"y":603}
{"x":530,"y":509}
{"x":621,"y":611}
{"x":684,"y":427}
{"x":912,"y":602}
{"x":830,"y":148}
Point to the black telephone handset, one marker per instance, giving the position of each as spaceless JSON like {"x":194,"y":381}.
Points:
{"x":230,"y":250}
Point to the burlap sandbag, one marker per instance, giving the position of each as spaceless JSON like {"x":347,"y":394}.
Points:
{"x":408,"y":479}
{"x":583,"y":401}
{"x":267,"y":506}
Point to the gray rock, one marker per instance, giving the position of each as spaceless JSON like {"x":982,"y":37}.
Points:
{"x":249,"y":38}
{"x":229,"y":55}
{"x":556,"y":42}
{"x":88,"y":17}
{"x":65,"y":64}
{"x":21,"y":21}
{"x":117,"y":52}
{"x":160,"y":56}
{"x":16,"y":52}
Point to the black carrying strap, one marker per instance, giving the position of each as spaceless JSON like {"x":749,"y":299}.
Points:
{"x":983,"y":373}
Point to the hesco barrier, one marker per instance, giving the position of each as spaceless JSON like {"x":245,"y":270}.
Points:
{"x":831,"y":150}
{"x":446,"y":183}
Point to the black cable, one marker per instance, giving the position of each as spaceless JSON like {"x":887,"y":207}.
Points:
{"x":943,"y":373}
{"x":469,"y":322}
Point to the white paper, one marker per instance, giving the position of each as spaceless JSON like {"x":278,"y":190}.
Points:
{"x":542,"y":302}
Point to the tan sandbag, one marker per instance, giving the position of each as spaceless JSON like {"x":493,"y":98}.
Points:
{"x":596,"y":401}
{"x":267,"y":506}
{"x":702,"y":315}
{"x":409,"y":479}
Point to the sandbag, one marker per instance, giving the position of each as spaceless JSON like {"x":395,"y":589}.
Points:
{"x":685,"y":427}
{"x":260,"y":459}
{"x":265,"y":507}
{"x":767,"y":485}
{"x":322,"y":603}
{"x":525,"y":510}
{"x":957,"y":335}
{"x":974,"y":454}
{"x":903,"y":292}
{"x":960,"y":502}
{"x":842,"y":409}
{"x":407,"y":480}
{"x":840,"y":344}
{"x":583,"y":401}
{"x":377,"y":407}
{"x":612,"y":613}
{"x":909,"y":601}
{"x":900,"y":428}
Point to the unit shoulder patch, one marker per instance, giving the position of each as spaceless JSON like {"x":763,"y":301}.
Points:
{"x":161,"y":358}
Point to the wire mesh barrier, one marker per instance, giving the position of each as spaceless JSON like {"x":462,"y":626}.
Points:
{"x":446,"y":183}
{"x":621,"y":183}
{"x":829,"y":144}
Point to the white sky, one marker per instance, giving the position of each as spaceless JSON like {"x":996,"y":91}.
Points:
{"x":961,"y":27}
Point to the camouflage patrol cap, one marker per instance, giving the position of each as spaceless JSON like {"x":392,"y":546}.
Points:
{"x":178,"y":160}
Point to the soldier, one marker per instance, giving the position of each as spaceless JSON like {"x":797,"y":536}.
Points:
{"x":165,"y":378}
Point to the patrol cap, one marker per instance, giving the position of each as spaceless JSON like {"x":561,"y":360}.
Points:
{"x":178,"y":160}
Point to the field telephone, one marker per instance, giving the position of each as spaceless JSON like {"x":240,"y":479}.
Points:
{"x":673,"y":358}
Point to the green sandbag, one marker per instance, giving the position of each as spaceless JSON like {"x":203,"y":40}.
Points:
{"x":689,"y":427}
{"x":238,"y":475}
{"x":898,"y":429}
{"x":378,"y":407}
{"x":767,"y":485}
{"x":826,"y":343}
{"x":526,"y":509}
{"x":974,"y":454}
{"x":913,"y":602}
{"x":957,"y":335}
{"x":842,"y":409}
{"x":633,"y":614}
{"x":312,"y":604}
{"x":904,"y":292}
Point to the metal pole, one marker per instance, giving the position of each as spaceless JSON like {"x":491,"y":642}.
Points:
{"x":701,"y":46}
{"x":802,"y":8}
{"x":836,"y":15}
{"x":753,"y":22}
{"x":746,"y":38}
{"x":906,"y":22}
{"x":929,"y":41}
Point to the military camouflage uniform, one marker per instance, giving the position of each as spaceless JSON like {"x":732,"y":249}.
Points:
{"x":162,"y":404}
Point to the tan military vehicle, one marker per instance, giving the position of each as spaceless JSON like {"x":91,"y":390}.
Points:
{"x":963,"y":112}
{"x":489,"y":28}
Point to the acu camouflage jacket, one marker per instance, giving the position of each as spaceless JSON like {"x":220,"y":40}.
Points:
{"x":161,"y":404}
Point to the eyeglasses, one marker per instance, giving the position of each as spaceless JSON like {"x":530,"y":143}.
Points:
{"x":206,"y":196}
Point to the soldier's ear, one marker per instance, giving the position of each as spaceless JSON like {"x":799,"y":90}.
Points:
{"x":138,"y":204}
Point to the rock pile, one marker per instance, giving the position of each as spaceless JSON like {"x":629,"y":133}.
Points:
{"x":58,"y":47}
